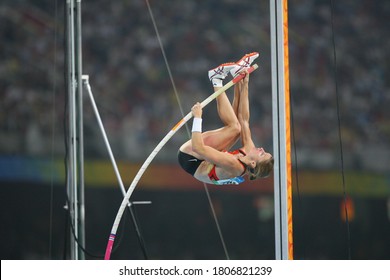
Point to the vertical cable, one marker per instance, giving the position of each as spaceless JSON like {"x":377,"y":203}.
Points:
{"x":339,"y":129}
{"x":166,"y":62}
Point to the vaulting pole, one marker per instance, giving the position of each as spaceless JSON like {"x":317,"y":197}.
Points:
{"x":156,"y":150}
{"x":281,"y":130}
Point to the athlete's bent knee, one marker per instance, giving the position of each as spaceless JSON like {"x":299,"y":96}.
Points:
{"x":236,"y":128}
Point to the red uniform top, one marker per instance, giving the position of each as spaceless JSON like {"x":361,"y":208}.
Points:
{"x":214,"y":178}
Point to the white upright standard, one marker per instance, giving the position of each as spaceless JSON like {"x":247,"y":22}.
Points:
{"x":281,"y":130}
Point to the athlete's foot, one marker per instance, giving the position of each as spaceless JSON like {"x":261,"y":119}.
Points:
{"x":218,"y":74}
{"x":244,"y":63}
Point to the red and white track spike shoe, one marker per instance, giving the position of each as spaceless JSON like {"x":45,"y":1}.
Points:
{"x":244,"y":63}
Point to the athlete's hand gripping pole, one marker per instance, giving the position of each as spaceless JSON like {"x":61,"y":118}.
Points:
{"x":160,"y":145}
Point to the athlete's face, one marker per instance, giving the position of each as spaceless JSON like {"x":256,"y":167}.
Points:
{"x":259,"y":155}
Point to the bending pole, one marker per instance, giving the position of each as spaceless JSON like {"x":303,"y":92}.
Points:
{"x":160,"y":145}
{"x":116,"y":170}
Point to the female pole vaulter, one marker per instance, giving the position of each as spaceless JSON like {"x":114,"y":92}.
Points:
{"x":206,"y":155}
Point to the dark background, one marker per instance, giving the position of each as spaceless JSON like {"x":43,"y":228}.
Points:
{"x":138,"y":106}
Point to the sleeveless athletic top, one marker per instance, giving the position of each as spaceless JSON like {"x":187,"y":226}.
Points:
{"x":235,"y":181}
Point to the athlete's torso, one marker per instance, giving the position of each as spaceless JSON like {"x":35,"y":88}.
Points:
{"x":213,"y":174}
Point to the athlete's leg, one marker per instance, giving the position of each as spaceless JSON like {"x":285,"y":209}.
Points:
{"x":242,"y":64}
{"x":228,"y":134}
{"x":225,"y":137}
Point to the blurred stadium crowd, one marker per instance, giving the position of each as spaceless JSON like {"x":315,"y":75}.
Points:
{"x":137,"y":100}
